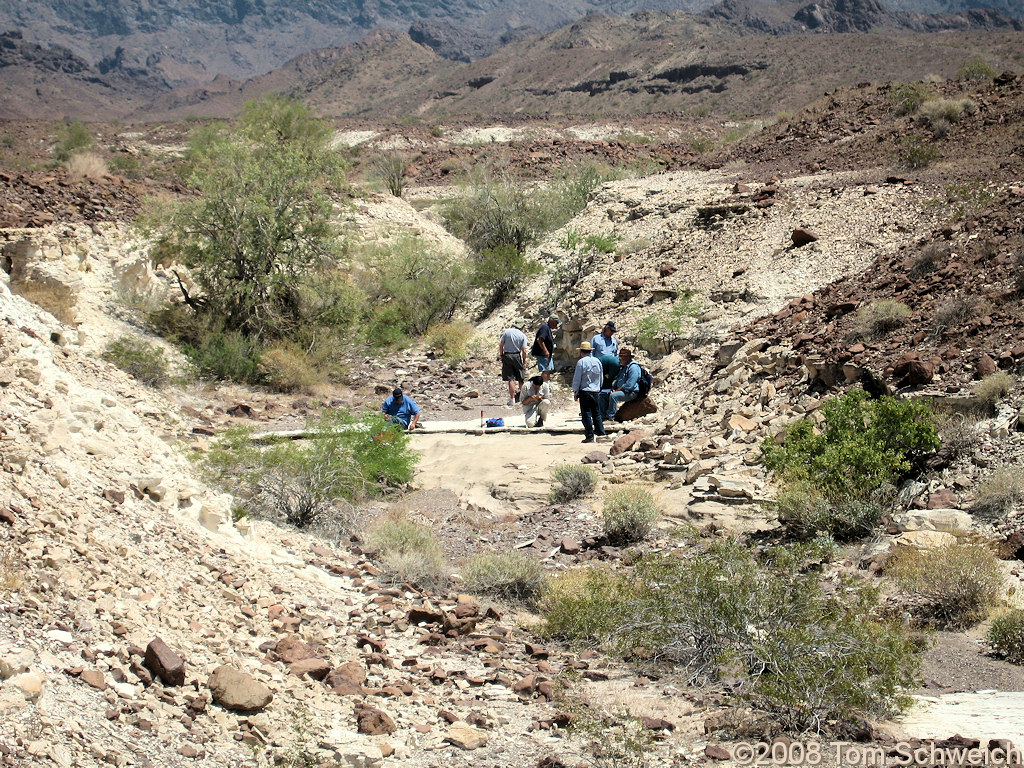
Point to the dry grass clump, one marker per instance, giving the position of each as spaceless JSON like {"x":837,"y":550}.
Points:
{"x":955,"y":312}
{"x":629,"y":514}
{"x":139,"y":358}
{"x":939,"y":115}
{"x":511,"y":576}
{"x":992,"y":389}
{"x":1006,"y":636}
{"x":1000,"y":492}
{"x":957,"y":432}
{"x":11,"y":579}
{"x":451,"y":339}
{"x":880,"y":318}
{"x":287,"y":369}
{"x":570,"y":482}
{"x":87,"y":165}
{"x":409,"y":551}
{"x":929,"y":259}
{"x":951,"y":587}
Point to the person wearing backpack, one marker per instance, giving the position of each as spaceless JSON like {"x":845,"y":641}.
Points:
{"x":626,"y":386}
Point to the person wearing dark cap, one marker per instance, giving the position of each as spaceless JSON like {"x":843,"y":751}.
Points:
{"x":401,"y":409}
{"x":544,"y":345}
{"x":604,"y":344}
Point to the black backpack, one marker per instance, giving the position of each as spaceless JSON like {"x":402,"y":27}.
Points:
{"x":643,"y":384}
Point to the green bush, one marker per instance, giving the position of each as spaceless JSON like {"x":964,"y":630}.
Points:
{"x":907,"y":97}
{"x":999,"y":493}
{"x":409,"y":551}
{"x":806,"y":512}
{"x":864,"y":445}
{"x":915,"y":153}
{"x":509,"y":575}
{"x":307,"y":483}
{"x":409,"y":287}
{"x":667,"y":327}
{"x":629,"y":514}
{"x":286,"y":368}
{"x":570,"y":482}
{"x":261,"y":223}
{"x":879,"y":318}
{"x":141,"y":359}
{"x":495,"y":213}
{"x":1006,"y":636}
{"x":951,"y":587}
{"x":71,"y":138}
{"x":815,"y":660}
{"x":975,"y":68}
{"x":226,"y":357}
{"x":500,"y":272}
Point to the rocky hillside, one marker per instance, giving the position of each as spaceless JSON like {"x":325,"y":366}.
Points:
{"x":141,"y":625}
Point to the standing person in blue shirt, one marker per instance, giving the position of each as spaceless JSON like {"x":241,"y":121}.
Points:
{"x":401,"y":409}
{"x":544,"y":345}
{"x":604,"y":344}
{"x":586,"y":389}
{"x":625,"y":387}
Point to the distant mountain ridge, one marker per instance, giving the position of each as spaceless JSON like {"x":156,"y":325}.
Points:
{"x":438,"y":67}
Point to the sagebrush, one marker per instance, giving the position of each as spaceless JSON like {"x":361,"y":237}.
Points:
{"x":139,"y":358}
{"x":816,"y":660}
{"x":1006,"y":636}
{"x":570,"y":482}
{"x":408,"y":550}
{"x":511,"y":575}
{"x":950,"y":587}
{"x":629,"y":514}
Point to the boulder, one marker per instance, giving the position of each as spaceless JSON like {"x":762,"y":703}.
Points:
{"x":626,"y":442}
{"x":237,"y":690}
{"x":165,"y":663}
{"x":465,"y":736}
{"x":947,"y":520}
{"x":373,"y":721}
{"x":634,"y":409}
{"x":802,"y":236}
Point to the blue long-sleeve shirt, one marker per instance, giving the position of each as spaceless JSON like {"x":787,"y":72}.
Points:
{"x":628,"y":378}
{"x":601,"y":346}
{"x":588,"y":375}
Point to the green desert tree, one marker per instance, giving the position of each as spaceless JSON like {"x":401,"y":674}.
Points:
{"x":259,"y":227}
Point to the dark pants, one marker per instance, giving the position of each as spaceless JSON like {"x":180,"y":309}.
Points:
{"x":590,"y":412}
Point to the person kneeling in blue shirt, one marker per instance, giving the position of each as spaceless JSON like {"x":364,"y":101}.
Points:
{"x":626,"y":386}
{"x":401,"y":409}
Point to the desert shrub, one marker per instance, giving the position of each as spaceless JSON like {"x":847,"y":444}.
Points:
{"x":71,"y":138}
{"x":629,"y":514}
{"x":668,"y":327}
{"x":806,"y":512}
{"x":999,"y":492}
{"x":907,"y":97}
{"x":141,"y":359}
{"x":261,"y":223}
{"x":409,"y":551}
{"x":499,"y":272}
{"x":451,"y":339}
{"x":509,"y":575}
{"x":286,"y":368}
{"x":410,"y":286}
{"x":570,"y":482}
{"x":1018,"y":272}
{"x":914,"y":153}
{"x":390,"y":169}
{"x":954,"y":313}
{"x":992,"y":389}
{"x":929,"y":259}
{"x":126,"y":165}
{"x":957,"y":433}
{"x":619,"y":740}
{"x":634,"y":246}
{"x":1006,"y":636}
{"x":975,"y":68}
{"x":495,"y":213}
{"x":11,"y":571}
{"x":816,"y":661}
{"x":86,"y":165}
{"x":226,"y":357}
{"x":939,"y":114}
{"x":602,"y":243}
{"x":864,"y":445}
{"x":569,"y":191}
{"x":879,"y":318}
{"x":951,"y":587}
{"x":309,"y":483}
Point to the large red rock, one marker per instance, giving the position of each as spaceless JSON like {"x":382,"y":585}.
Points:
{"x":626,"y":441}
{"x":634,"y":409}
{"x":165,"y":663}
{"x":373,"y":721}
{"x":803,"y":236}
